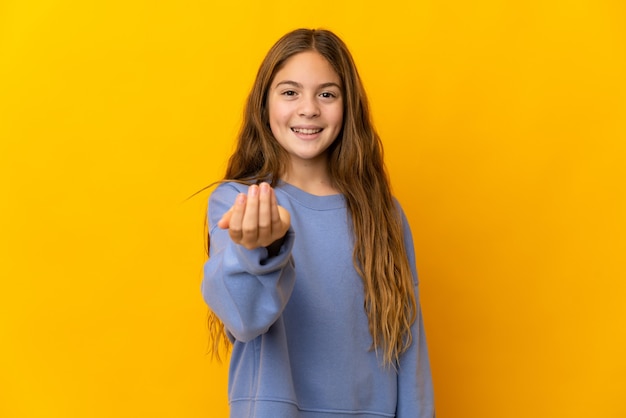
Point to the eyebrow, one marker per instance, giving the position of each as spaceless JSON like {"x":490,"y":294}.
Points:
{"x":296,"y":84}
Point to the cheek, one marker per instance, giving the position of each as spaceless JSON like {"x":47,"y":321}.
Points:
{"x":277,"y":127}
{"x":277,"y":114}
{"x":339,"y":118}
{"x":271,"y":117}
{"x":274,"y":128}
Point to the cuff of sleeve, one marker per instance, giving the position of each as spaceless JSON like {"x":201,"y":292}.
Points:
{"x":257,"y":262}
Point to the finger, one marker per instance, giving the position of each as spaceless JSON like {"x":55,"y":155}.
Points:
{"x":236,"y":218}
{"x":265,"y":215}
{"x":285,"y":220}
{"x":250,"y":223}
{"x":275,"y":214}
{"x":224,"y":221}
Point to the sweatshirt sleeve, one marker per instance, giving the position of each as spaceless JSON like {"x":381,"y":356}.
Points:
{"x":246,"y":289}
{"x":415,"y":385}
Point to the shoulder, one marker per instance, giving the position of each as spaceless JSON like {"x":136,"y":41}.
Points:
{"x":227,"y":190}
{"x":400,"y":210}
{"x":230,"y":187}
{"x":404,"y":221}
{"x":222,"y":198}
{"x":407,"y":237}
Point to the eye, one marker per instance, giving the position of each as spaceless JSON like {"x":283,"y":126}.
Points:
{"x":328,"y":95}
{"x":289,"y":93}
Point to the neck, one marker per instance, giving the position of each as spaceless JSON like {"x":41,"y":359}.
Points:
{"x":313,"y":179}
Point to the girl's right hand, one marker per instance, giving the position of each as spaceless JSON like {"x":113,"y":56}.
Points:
{"x":255,"y":220}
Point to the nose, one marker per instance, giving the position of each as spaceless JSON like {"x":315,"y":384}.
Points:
{"x":309,"y":108}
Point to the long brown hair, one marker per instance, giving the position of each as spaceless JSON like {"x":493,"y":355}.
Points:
{"x":357,"y":171}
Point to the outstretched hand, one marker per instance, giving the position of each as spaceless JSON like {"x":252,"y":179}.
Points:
{"x":255,"y":220}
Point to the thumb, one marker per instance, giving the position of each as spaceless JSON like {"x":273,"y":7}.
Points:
{"x":285,"y":218}
{"x":224,"y":222}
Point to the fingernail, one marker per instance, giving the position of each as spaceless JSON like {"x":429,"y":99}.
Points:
{"x":265,"y":188}
{"x":253,"y":191}
{"x":241,"y":198}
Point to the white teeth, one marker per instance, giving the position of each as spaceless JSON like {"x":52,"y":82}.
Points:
{"x":306,"y":131}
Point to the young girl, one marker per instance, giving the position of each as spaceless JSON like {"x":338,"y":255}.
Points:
{"x":311,"y":275}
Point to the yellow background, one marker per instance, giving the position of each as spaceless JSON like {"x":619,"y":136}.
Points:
{"x":504,"y":124}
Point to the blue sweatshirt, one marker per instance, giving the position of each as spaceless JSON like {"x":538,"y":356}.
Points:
{"x":301,"y":341}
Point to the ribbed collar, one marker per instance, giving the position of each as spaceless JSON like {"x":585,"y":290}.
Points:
{"x":311,"y":201}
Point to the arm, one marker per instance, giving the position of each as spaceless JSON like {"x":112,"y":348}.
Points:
{"x":247,"y":288}
{"x":415,"y":385}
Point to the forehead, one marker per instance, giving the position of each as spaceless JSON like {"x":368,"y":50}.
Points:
{"x":308,"y":67}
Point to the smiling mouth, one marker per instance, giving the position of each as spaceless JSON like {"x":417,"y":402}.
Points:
{"x":306,"y":131}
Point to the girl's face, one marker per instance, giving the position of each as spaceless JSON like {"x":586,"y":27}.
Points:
{"x":306,"y":107}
